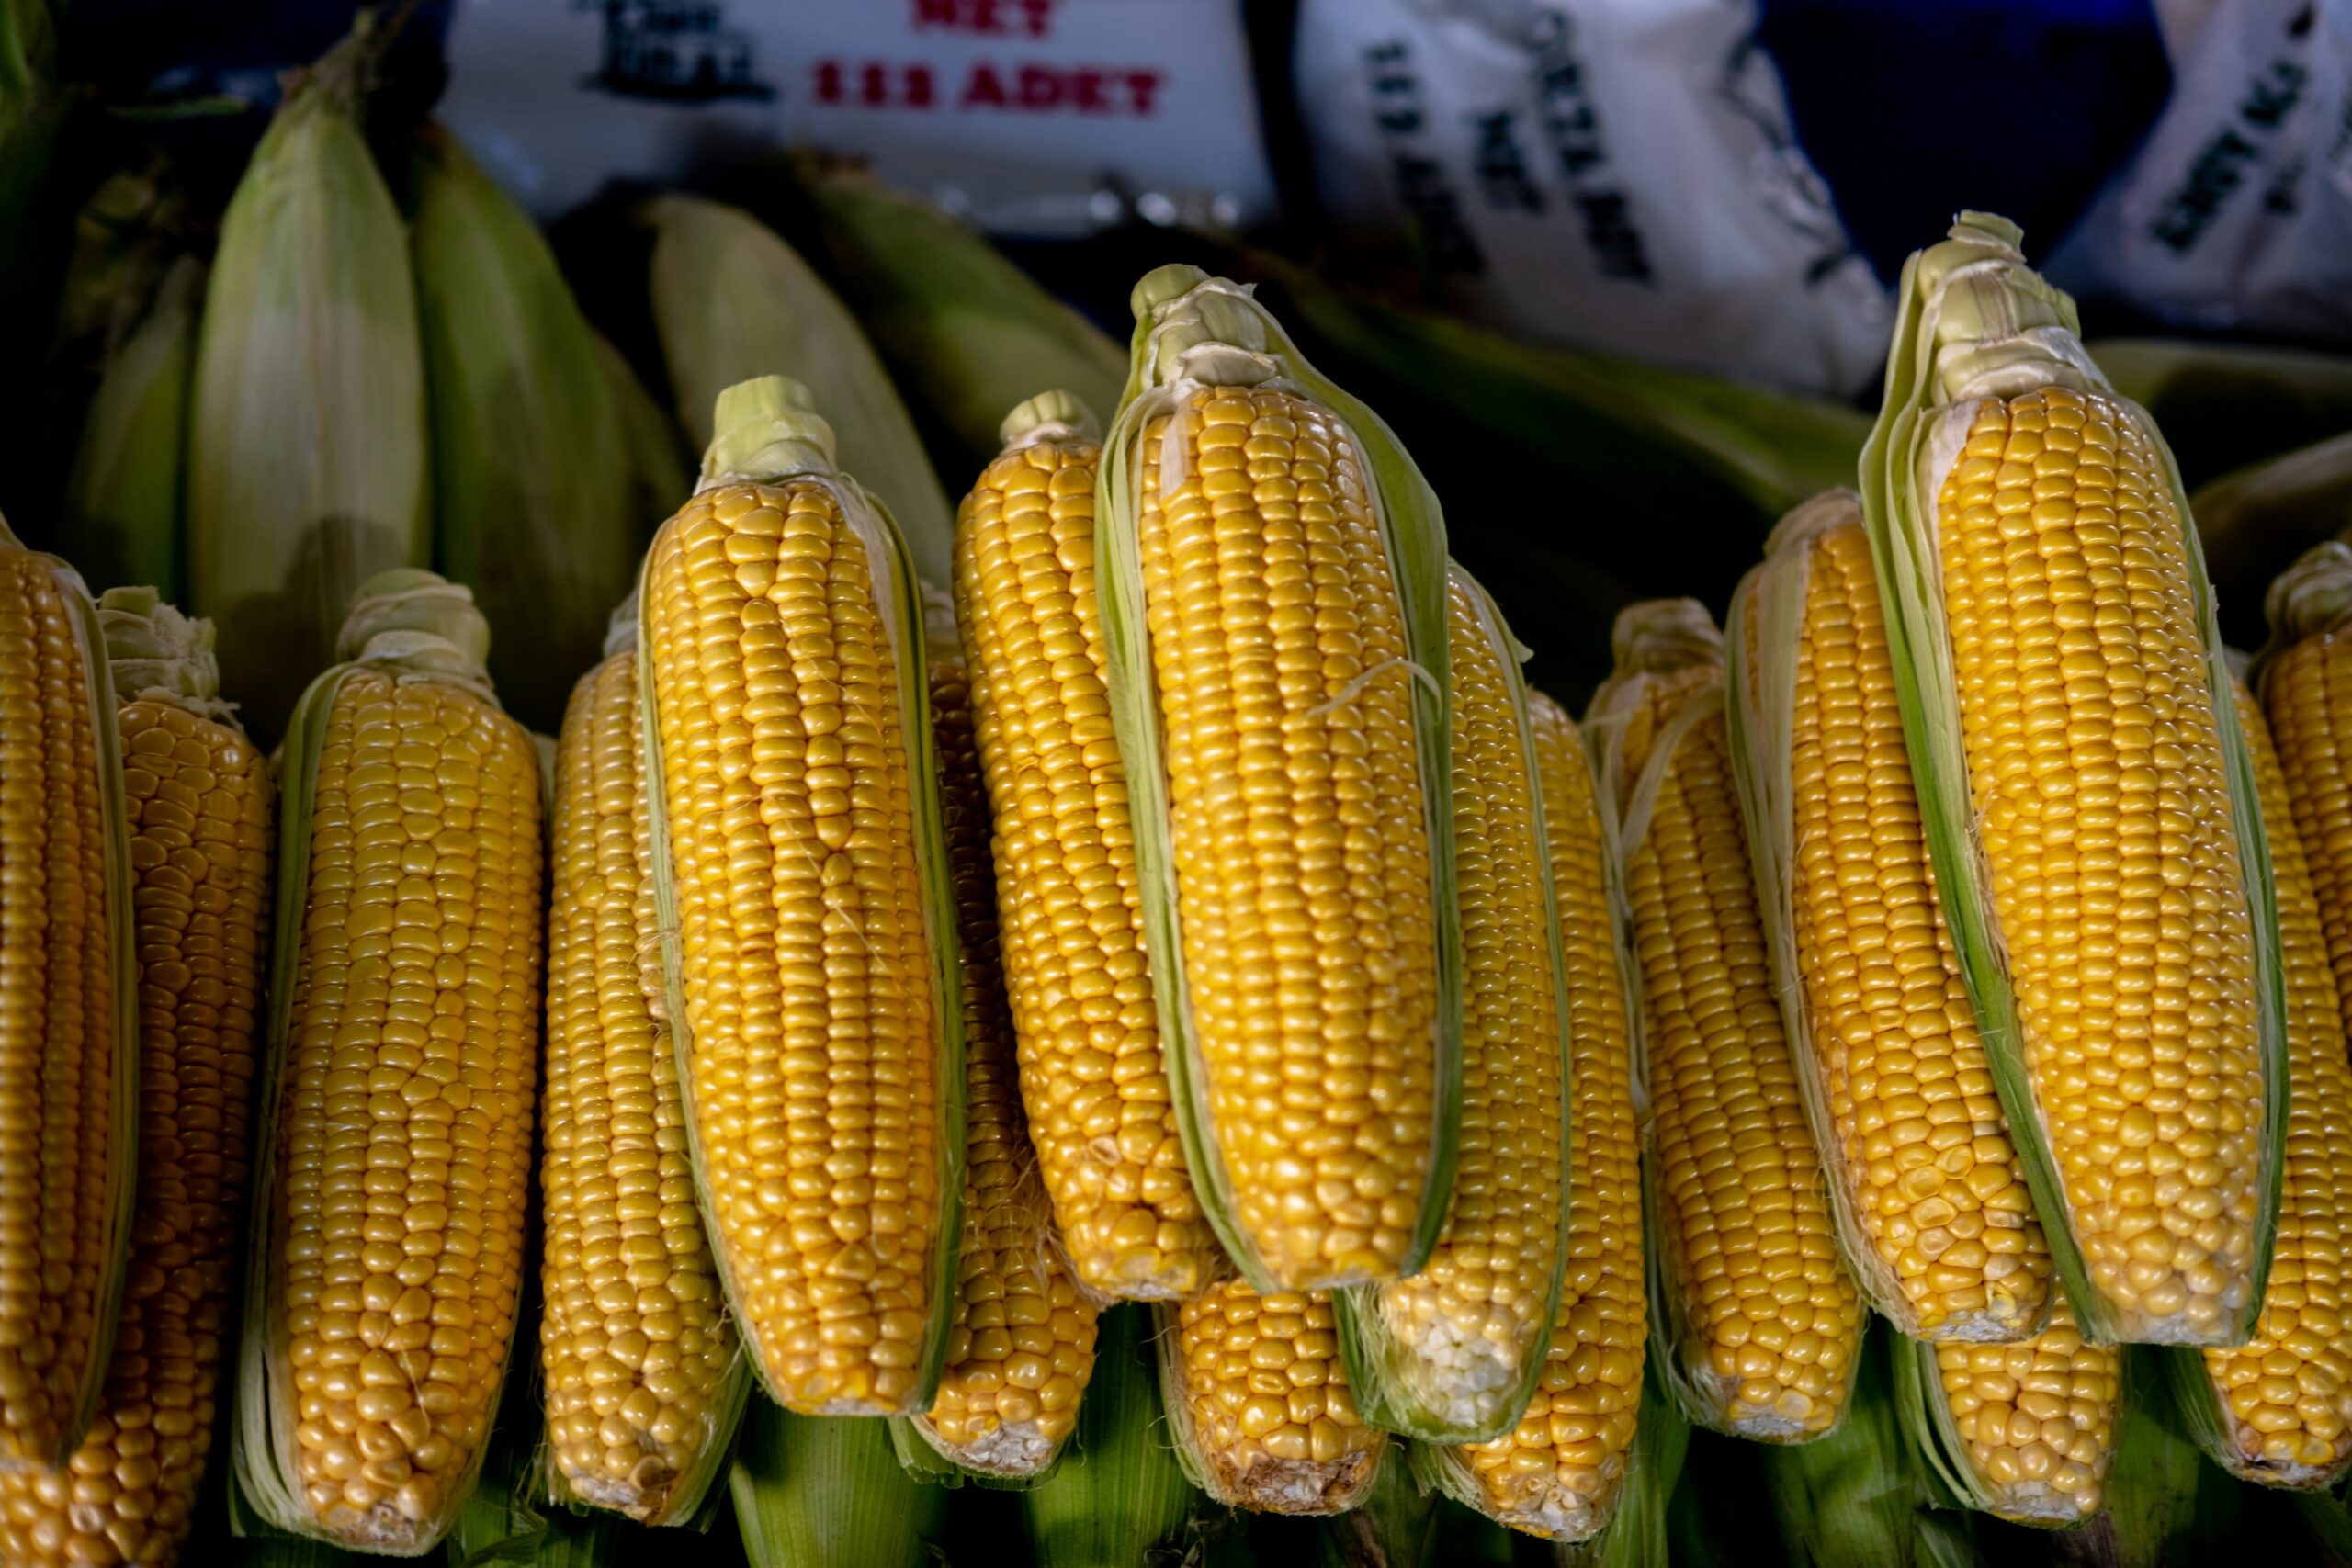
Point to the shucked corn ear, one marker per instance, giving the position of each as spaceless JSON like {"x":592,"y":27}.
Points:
{"x":69,"y":1026}
{"x":124,"y":501}
{"x":531,"y":461}
{"x":2089,"y":808}
{"x":807,"y":920}
{"x":2024,"y":1429}
{"x":642,"y":1376}
{"x":2304,"y":677}
{"x":1926,"y":1187}
{"x":1758,"y":1322}
{"x":199,"y":797}
{"x":732,"y":300}
{"x":1562,"y":1469}
{"x":307,"y":462}
{"x":1271,"y":574}
{"x":1453,"y":1354}
{"x":972,"y":333}
{"x":1093,"y":1080}
{"x":1258,"y":1405}
{"x":386,"y":1257}
{"x":1022,"y":1345}
{"x":2279,"y":1409}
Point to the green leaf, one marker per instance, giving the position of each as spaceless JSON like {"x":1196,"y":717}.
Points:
{"x":1118,"y":1497}
{"x":826,"y":1492}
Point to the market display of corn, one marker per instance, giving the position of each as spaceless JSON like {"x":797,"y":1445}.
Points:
{"x":1124,"y":1009}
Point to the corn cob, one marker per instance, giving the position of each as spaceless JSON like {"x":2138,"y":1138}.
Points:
{"x":69,"y":1035}
{"x":1093,"y":1079}
{"x":1453,"y":1354}
{"x":387,"y":1258}
{"x":308,"y":463}
{"x":2304,"y":677}
{"x":198,"y":797}
{"x":1258,"y":1403}
{"x":2279,"y":1410}
{"x":1271,"y":583}
{"x":642,"y":1376}
{"x":807,"y":919}
{"x":1022,"y":1345}
{"x":2025,"y":1431}
{"x":732,"y":300}
{"x":1928,"y":1189}
{"x":1760,"y":1320}
{"x":2096,"y":843}
{"x":1560,"y":1472}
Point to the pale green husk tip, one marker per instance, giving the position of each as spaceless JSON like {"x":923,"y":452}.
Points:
{"x":419,"y":608}
{"x":753,"y":419}
{"x":158,"y":652}
{"x":1055,"y":415}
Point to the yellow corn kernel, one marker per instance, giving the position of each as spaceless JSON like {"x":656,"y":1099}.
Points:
{"x":1934,"y":1182}
{"x":2100,"y":791}
{"x":198,"y":797}
{"x":2036,"y":1418}
{"x":2287,"y":1392}
{"x":1023,"y":1343}
{"x":1559,"y":1473}
{"x":635,"y":1349}
{"x":1302,"y":858}
{"x":403,"y":1125}
{"x":1265,"y":1406}
{"x":807,"y":977}
{"x":60,"y":1022}
{"x":1771,"y":1320}
{"x":1093,"y":1081}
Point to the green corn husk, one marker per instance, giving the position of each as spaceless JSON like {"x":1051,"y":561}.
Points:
{"x":1975,"y":321}
{"x":124,"y":502}
{"x":658,"y":476}
{"x":2255,"y":519}
{"x":126,"y":236}
{"x":1191,"y":328}
{"x":2225,"y":405}
{"x":308,"y":469}
{"x":1398,"y":1384}
{"x":412,"y":626}
{"x":1857,"y":1497}
{"x":825,"y":1492}
{"x":970,"y":333}
{"x":732,"y":301}
{"x":532,"y":458}
{"x":107,"y":1256}
{"x":1395,"y":1526}
{"x":1118,"y":1496}
{"x":768,"y":433}
{"x":2165,"y":1505}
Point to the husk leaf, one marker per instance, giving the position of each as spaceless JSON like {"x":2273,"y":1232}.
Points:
{"x":970,"y":333}
{"x":826,"y":1492}
{"x":658,"y":475}
{"x":1118,"y":1496}
{"x":1973,"y":323}
{"x":2225,"y":405}
{"x":1192,"y":329}
{"x":309,"y":465}
{"x":1391,"y":1378}
{"x":732,"y":301}
{"x":412,"y":626}
{"x":531,"y":458}
{"x":767,"y":434}
{"x":124,"y":501}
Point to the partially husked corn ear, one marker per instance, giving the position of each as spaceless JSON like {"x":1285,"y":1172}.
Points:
{"x":68,"y":1015}
{"x":1022,"y":1345}
{"x":813,"y":942}
{"x":1272,"y":585}
{"x":2281,"y":1407}
{"x":2305,"y":682}
{"x":641,"y":1374}
{"x":1093,"y":1079}
{"x":1452,"y":1353}
{"x":2032,"y":1423}
{"x":1560,"y":1472}
{"x":1763,"y":1320}
{"x":2085,"y":796}
{"x":1927,"y":1186}
{"x":198,"y":793}
{"x":387,"y":1229}
{"x":1259,"y":1402}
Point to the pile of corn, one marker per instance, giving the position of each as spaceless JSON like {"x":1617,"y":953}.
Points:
{"x":1158,"y":886}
